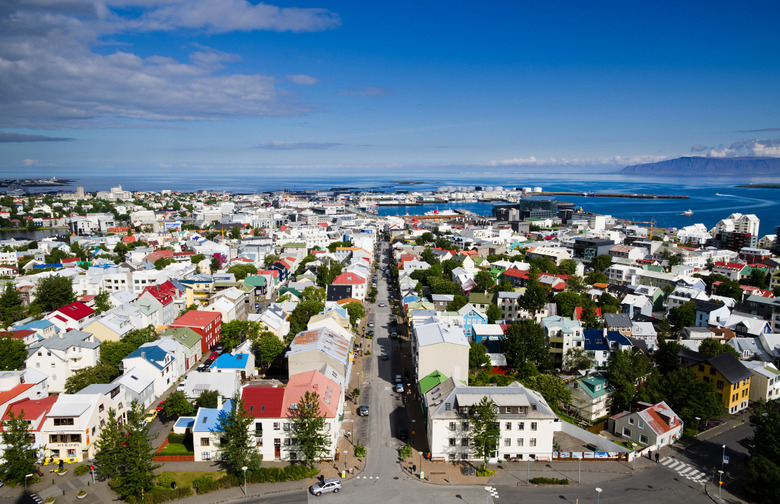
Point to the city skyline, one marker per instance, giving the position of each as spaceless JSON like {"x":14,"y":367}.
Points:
{"x":149,"y":85}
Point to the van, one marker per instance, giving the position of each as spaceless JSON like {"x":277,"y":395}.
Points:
{"x":325,"y":486}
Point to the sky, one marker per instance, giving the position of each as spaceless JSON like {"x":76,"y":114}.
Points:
{"x":143,"y":86}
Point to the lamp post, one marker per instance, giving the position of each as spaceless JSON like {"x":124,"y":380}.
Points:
{"x":421,"y":454}
{"x":698,"y":419}
{"x":244,"y":469}
{"x":490,"y":492}
{"x":598,"y":494}
{"x":25,"y":481}
{"x":720,"y":484}
{"x":579,"y":469}
{"x":723,"y":458}
{"x":345,"y":463}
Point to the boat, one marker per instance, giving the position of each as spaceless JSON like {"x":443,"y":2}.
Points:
{"x":688,"y":212}
{"x":442,"y":213}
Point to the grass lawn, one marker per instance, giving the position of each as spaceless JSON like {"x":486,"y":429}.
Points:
{"x":176,"y":449}
{"x":185,"y":478}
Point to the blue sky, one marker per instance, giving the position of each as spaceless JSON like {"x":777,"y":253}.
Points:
{"x":149,"y":85}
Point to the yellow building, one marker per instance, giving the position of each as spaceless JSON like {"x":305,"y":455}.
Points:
{"x":728,"y":378}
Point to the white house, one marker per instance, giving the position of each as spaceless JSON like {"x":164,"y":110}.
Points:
{"x":61,"y":355}
{"x":437,"y":346}
{"x":654,"y":425}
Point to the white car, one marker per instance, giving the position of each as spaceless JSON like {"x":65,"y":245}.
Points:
{"x":399,"y":387}
{"x":398,"y":378}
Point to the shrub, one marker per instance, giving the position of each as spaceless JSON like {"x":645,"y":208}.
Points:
{"x":176,"y":438}
{"x":279,"y":474}
{"x":81,"y":469}
{"x":158,"y":494}
{"x":360,"y":451}
{"x":549,"y":481}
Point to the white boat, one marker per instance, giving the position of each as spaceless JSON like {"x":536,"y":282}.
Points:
{"x":688,"y":212}
{"x":442,"y":213}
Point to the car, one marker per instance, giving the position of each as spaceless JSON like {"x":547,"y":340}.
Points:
{"x":371,"y":324}
{"x":381,"y":305}
{"x":399,"y":387}
{"x":398,"y":378}
{"x":363,"y":410}
{"x":326,"y":485}
{"x":181,"y":386}
{"x":218,"y":348}
{"x":160,"y":406}
{"x":150,"y":416}
{"x":403,"y":434}
{"x":202,"y":368}
{"x":370,"y":332}
{"x":385,"y":356}
{"x":208,"y":362}
{"x":213,"y":355}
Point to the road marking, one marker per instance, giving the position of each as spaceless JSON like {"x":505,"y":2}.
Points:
{"x":684,"y":470}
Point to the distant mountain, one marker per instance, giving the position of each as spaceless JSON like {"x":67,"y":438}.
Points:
{"x":705,"y":166}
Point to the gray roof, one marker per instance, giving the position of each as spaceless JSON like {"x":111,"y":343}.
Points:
{"x":64,"y":341}
{"x":617,"y":320}
{"x":432,"y":332}
{"x":445,"y":400}
{"x":730,"y":367}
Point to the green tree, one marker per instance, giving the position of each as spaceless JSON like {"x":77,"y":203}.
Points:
{"x":485,"y":431}
{"x":54,"y":292}
{"x":478,"y":357}
{"x":313,"y":293}
{"x":302,"y":313}
{"x":108,"y":448}
{"x":136,"y":476}
{"x":765,"y":420}
{"x":237,"y":445}
{"x":576,"y":284}
{"x":310,"y":427}
{"x":525,"y":342}
{"x":626,"y":369}
{"x":458,"y":301}
{"x":197,"y":258}
{"x":235,"y":233}
{"x":13,"y":355}
{"x":535,"y":296}
{"x":356,"y":312}
{"x":215,"y":264}
{"x":552,"y":388}
{"x":762,"y":480}
{"x":566,"y":302}
{"x":162,"y":262}
{"x":601,"y":262}
{"x":11,"y":305}
{"x":683,"y":316}
{"x":713,"y":347}
{"x":493,"y":313}
{"x":270,"y":259}
{"x":484,"y":281}
{"x":267,"y":347}
{"x":81,"y":378}
{"x":233,"y":333}
{"x":577,"y":359}
{"x":567,"y":267}
{"x":443,"y":286}
{"x":102,"y":302}
{"x":688,"y":396}
{"x":207,"y":399}
{"x":20,"y":455}
{"x":177,"y":405}
{"x":121,"y":251}
{"x":241,"y":271}
{"x":666,"y":358}
{"x":729,"y":288}
{"x":428,"y":256}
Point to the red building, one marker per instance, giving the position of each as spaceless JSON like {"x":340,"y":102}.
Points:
{"x":207,"y":324}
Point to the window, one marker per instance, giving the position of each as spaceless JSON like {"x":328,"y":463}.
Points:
{"x":205,"y":441}
{"x":452,"y":426}
{"x":720,"y":384}
{"x":452,"y":441}
{"x":465,"y":426}
{"x":519,"y":441}
{"x":206,"y":455}
{"x":508,"y":426}
{"x":464,"y":442}
{"x":63,"y":421}
{"x":521,"y":426}
{"x":643,"y":439}
{"x":507,"y":442}
{"x":712,"y":370}
{"x":630,"y":420}
{"x":532,"y":441}
{"x":626,"y":432}
{"x":533,"y":426}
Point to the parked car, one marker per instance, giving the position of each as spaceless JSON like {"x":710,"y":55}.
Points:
{"x":160,"y":406}
{"x":325,"y":486}
{"x":208,"y":362}
{"x":398,"y":378}
{"x":181,"y":386}
{"x":381,"y":305}
{"x":371,"y":324}
{"x":385,"y":356}
{"x":213,"y":355}
{"x":363,"y":410}
{"x":370,"y":332}
{"x":403,"y":434}
{"x":150,"y":416}
{"x":399,"y":387}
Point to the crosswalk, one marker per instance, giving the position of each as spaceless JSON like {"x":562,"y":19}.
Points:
{"x":684,"y":470}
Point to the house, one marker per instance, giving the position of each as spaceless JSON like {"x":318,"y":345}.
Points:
{"x":157,"y":303}
{"x":437,"y":346}
{"x":596,"y":346}
{"x":527,"y":423}
{"x":243,"y":364}
{"x":317,"y":349}
{"x":115,"y":323}
{"x":765,"y":382}
{"x":655,"y":425}
{"x":563,"y":335}
{"x":207,"y":324}
{"x":620,"y":322}
{"x":273,"y":319}
{"x":190,"y":343}
{"x":728,"y":377}
{"x":206,"y":430}
{"x":227,"y":384}
{"x":441,"y":301}
{"x":138,"y":386}
{"x":34,"y":411}
{"x":357,"y":282}
{"x":43,"y":328}
{"x":26,"y":336}
{"x":155,"y":362}
{"x":490,"y":335}
{"x":62,"y":355}
{"x":633,"y":305}
{"x":590,"y":397}
{"x":73,"y":316}
{"x":710,"y":313}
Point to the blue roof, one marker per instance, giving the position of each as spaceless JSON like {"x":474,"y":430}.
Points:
{"x":230,"y":361}
{"x":618,"y":338}
{"x":207,"y":419}
{"x":185,"y":422}
{"x":411,"y":299}
{"x":34,"y":324}
{"x":595,"y":340}
{"x":153,"y":354}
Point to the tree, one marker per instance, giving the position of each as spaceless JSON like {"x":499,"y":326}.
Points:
{"x":683,"y":316}
{"x":713,"y":347}
{"x":136,"y":476}
{"x":688,"y":396}
{"x":484,"y":281}
{"x":428,"y":256}
{"x":576,"y":284}
{"x":666,"y":358}
{"x":577,"y":359}
{"x":121,"y":251}
{"x":567,"y":267}
{"x":525,"y":342}
{"x":625,"y":371}
{"x":207,"y":399}
{"x":493,"y":313}
{"x":267,"y":347}
{"x":235,"y":233}
{"x":102,"y":302}
{"x":443,"y":286}
{"x":552,"y":388}
{"x":162,"y":262}
{"x":197,"y":258}
{"x":241,"y":271}
{"x":233,"y":333}
{"x":485,"y":431}
{"x":309,"y":425}
{"x":729,"y":288}
{"x":458,"y":302}
{"x":601,"y":262}
{"x":758,"y":278}
{"x":478,"y":357}
{"x":108,"y":448}
{"x":54,"y":292}
{"x":535,"y":296}
{"x":11,"y":305}
{"x":356,"y":312}
{"x":81,"y":378}
{"x":177,"y":405}
{"x":215,"y":263}
{"x":237,"y":445}
{"x":270,"y":259}
{"x":762,"y":480}
{"x":313,"y":293}
{"x":13,"y":355}
{"x":302,"y":313}
{"x":566,"y":302}
{"x":20,"y":455}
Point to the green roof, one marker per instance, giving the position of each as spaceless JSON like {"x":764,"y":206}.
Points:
{"x":295,"y":245}
{"x":430,"y":381}
{"x":183,"y":335}
{"x":479,"y":298}
{"x":255,"y":280}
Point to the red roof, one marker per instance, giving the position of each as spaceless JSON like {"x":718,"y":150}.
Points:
{"x":76,"y":311}
{"x":348,"y":278}
{"x":578,"y":313}
{"x":516,"y":273}
{"x":20,"y":334}
{"x":196,"y":318}
{"x":32,"y":408}
{"x":736,"y":266}
{"x":263,"y":401}
{"x":8,"y":395}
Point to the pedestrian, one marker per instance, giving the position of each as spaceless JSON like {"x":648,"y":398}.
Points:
{"x":650,"y":454}
{"x":656,"y":457}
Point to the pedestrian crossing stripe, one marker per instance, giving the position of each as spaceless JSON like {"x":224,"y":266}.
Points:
{"x":684,"y":470}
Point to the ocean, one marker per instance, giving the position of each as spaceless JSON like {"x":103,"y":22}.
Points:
{"x":710,"y":199}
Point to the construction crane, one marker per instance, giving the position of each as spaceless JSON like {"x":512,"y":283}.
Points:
{"x":651,"y":223}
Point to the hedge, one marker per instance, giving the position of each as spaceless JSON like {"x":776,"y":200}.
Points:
{"x":549,"y":481}
{"x":159,"y":494}
{"x":205,"y":484}
{"x":81,"y":469}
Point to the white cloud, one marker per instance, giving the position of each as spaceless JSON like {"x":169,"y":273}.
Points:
{"x":606,"y":161}
{"x":303,"y":80}
{"x":52,"y":77}
{"x":742,"y":148}
{"x":35,"y":162}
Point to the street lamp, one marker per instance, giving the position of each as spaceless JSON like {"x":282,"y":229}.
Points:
{"x":345,"y":463}
{"x":244,"y":469}
{"x":490,"y":492}
{"x":698,"y":419}
{"x":598,"y":494}
{"x":25,"y":481}
{"x":421,"y":454}
{"x":720,"y":484}
{"x":723,"y":458}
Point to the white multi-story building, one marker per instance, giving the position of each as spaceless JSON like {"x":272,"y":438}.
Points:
{"x":563,"y":335}
{"x":61,"y":355}
{"x":437,"y":346}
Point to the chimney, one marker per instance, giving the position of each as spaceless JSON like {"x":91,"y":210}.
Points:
{"x":605,"y":332}
{"x":143,"y":354}
{"x":219,"y":402}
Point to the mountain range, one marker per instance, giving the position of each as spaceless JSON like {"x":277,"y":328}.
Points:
{"x":707,"y":166}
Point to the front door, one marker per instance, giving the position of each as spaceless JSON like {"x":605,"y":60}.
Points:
{"x":277,"y":449}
